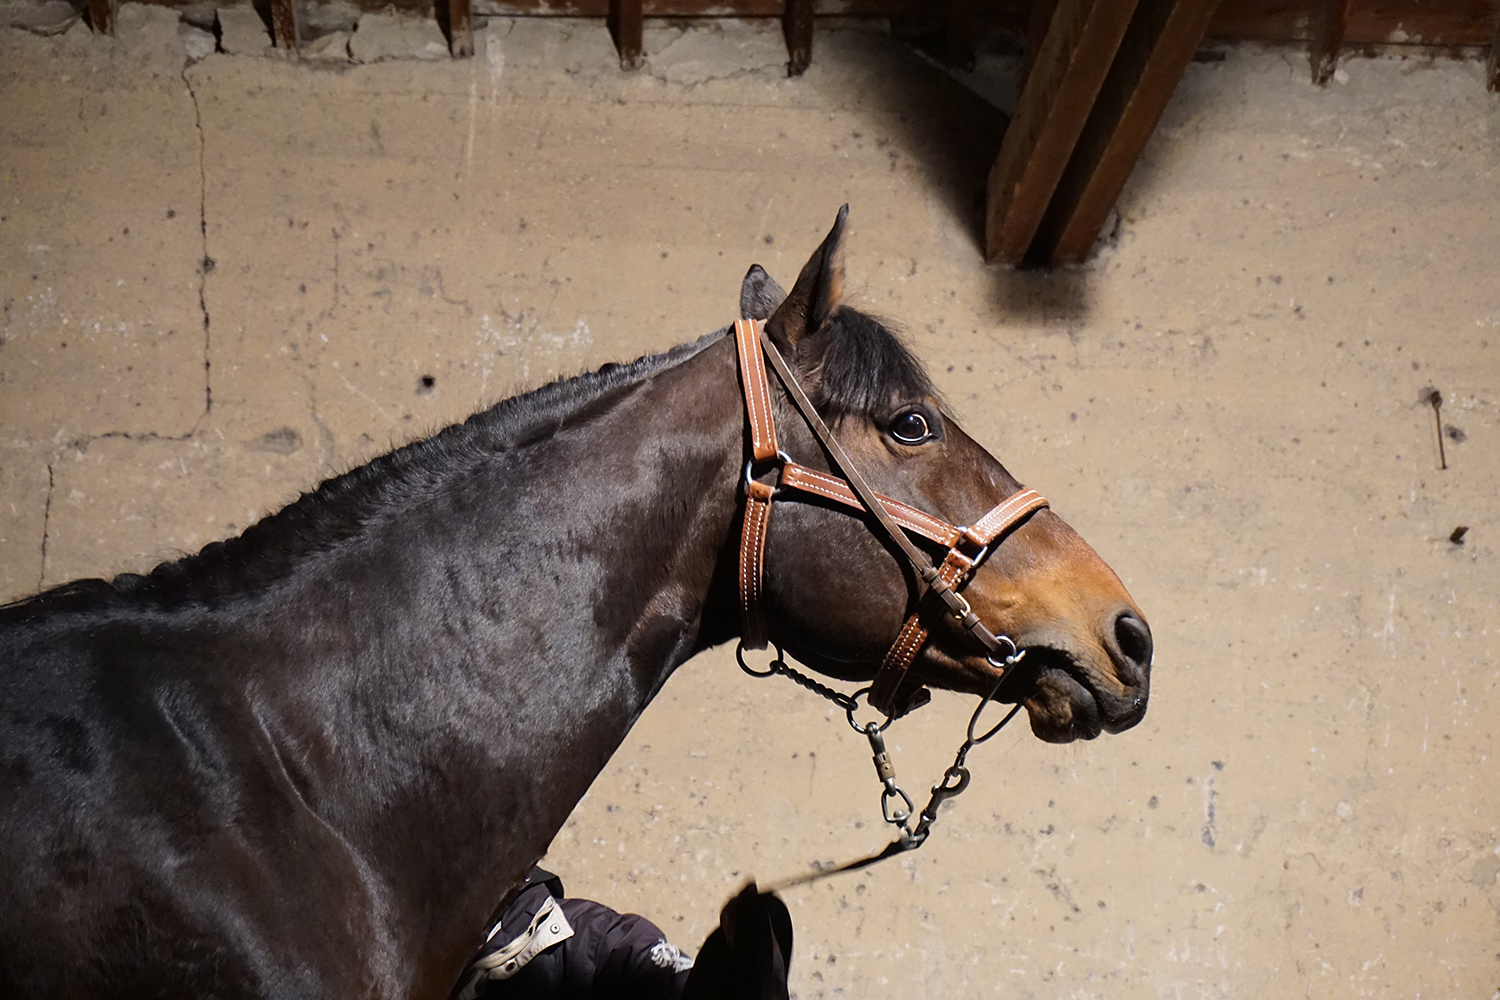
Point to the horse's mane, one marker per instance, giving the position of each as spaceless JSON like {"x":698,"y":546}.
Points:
{"x":338,"y":508}
{"x":859,"y":371}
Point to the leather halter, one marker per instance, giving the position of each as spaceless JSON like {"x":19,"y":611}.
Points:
{"x":966,"y":546}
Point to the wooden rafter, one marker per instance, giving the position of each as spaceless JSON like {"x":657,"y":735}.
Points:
{"x":1036,"y":33}
{"x":797,"y":26}
{"x":959,"y":28}
{"x":286,"y":29}
{"x":460,"y":29}
{"x":1330,"y":40}
{"x":1155,"y":51}
{"x":102,"y":16}
{"x":1492,"y":72}
{"x":1056,"y":99}
{"x":627,"y":26}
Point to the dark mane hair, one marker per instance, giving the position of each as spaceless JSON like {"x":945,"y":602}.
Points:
{"x":864,"y":366}
{"x":340,"y":506}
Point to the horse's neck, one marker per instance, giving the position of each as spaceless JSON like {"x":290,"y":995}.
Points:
{"x":500,"y":636}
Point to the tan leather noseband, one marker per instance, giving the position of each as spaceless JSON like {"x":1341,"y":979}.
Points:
{"x":966,"y":547}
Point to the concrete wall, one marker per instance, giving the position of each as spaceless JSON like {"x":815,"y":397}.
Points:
{"x":224,"y":279}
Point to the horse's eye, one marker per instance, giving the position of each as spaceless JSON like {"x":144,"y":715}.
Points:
{"x":910,"y":428}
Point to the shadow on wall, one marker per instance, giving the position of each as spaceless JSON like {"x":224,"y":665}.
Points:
{"x":952,"y":135}
{"x":1037,"y":296}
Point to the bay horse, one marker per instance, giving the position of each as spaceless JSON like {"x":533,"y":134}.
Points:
{"x":309,"y":760}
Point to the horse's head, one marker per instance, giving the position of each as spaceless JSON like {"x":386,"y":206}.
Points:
{"x":1087,"y":659}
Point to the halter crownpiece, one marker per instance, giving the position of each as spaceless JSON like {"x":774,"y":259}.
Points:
{"x":966,"y":547}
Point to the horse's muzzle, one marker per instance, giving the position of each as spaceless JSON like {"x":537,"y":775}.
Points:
{"x":1072,"y":697}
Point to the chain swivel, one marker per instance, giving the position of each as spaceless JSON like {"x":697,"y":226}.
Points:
{"x":885,"y":770}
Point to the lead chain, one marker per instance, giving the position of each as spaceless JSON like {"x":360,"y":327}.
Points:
{"x":954,"y":780}
{"x":885,"y":770}
{"x":780,"y":666}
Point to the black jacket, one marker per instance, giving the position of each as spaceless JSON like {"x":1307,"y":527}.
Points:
{"x":609,"y":955}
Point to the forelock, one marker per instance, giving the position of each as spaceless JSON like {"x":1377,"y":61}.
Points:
{"x":863,"y":367}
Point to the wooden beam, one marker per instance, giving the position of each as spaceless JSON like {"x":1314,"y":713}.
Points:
{"x":626,"y":26}
{"x":102,"y":16}
{"x":286,"y":31}
{"x":1155,"y":51}
{"x":1036,"y":32}
{"x":1455,"y":23}
{"x":1330,"y":40}
{"x":1492,"y":71}
{"x":959,"y":30}
{"x":797,"y":26}
{"x":1371,"y":22}
{"x":1055,"y":102}
{"x":460,"y":29}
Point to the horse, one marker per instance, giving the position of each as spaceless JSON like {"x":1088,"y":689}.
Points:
{"x":309,"y":759}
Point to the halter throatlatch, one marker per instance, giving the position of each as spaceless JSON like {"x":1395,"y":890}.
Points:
{"x":966,"y":546}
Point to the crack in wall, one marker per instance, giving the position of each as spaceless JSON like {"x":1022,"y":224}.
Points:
{"x":334,"y":308}
{"x":206,"y":265}
{"x":1210,"y":835}
{"x":41,"y":575}
{"x":326,"y":445}
{"x":82,"y":443}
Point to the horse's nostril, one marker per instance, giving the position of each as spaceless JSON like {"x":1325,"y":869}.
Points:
{"x":1134,"y":639}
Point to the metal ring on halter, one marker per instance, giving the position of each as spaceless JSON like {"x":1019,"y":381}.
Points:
{"x":739,"y":654}
{"x":849,"y":714}
{"x":1012,"y":659}
{"x":782,"y":460}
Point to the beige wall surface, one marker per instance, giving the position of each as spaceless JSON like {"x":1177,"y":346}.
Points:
{"x":222,"y":280}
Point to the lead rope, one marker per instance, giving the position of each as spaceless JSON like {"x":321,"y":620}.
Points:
{"x":954,"y":780}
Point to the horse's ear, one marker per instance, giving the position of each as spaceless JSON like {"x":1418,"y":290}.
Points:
{"x":816,"y":294}
{"x":759,"y":294}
